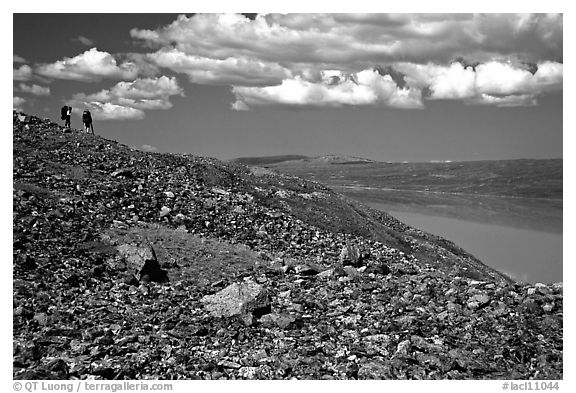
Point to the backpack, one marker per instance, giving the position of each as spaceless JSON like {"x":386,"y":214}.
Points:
{"x":87,"y":117}
{"x":64,"y":112}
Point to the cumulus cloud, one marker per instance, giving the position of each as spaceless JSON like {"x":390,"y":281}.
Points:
{"x":109,"y":111}
{"x":34,"y":89}
{"x":23,"y":73}
{"x":231,"y":70}
{"x":281,"y":59}
{"x":145,"y":104}
{"x":367,"y":87}
{"x":495,"y":83}
{"x":90,"y":66}
{"x":18,"y":59}
{"x":147,"y":88}
{"x":136,"y":96}
{"x":17,"y":102}
{"x":361,"y":39}
{"x":149,"y":148}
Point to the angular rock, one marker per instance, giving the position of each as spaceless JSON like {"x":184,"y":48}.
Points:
{"x":179,"y":219}
{"x":229,"y":364}
{"x":283,"y":321}
{"x":248,"y":372}
{"x":426,"y":360}
{"x":351,"y":272}
{"x":142,"y":261}
{"x":308,"y":269}
{"x":478,"y":300}
{"x":125,"y":172}
{"x":326,"y":273}
{"x":379,"y":268}
{"x":238,"y":300}
{"x":351,"y":255}
{"x":530,"y":305}
{"x":500,"y":309}
{"x":164,"y":211}
{"x":374,"y":370}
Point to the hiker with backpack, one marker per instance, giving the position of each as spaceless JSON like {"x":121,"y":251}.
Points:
{"x":66,"y":115}
{"x":87,"y":120}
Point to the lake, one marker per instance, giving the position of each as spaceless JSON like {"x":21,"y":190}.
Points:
{"x":527,"y":255}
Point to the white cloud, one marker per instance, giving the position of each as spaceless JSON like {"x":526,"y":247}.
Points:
{"x":453,"y":82}
{"x":493,"y":82}
{"x":504,"y":101}
{"x":136,"y":96}
{"x":34,"y":89}
{"x":109,"y":111}
{"x":231,"y":70}
{"x":364,"y":88}
{"x":85,"y":41}
{"x":277,"y":59}
{"x":501,"y":78}
{"x":18,"y":59}
{"x":549,"y":76}
{"x":147,"y":88}
{"x":144,"y":103}
{"x":363,"y":39}
{"x":24,"y":73}
{"x":17,"y":102}
{"x":149,"y":148}
{"x":90,"y":66}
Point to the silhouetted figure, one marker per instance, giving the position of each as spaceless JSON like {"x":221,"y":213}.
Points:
{"x":64,"y":113}
{"x":68,"y":116}
{"x":87,"y":120}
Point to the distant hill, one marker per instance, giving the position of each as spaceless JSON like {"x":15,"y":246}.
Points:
{"x":267,"y":160}
{"x":526,"y":178}
{"x":297,"y":160}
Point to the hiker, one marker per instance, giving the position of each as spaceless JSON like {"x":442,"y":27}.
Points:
{"x":68,"y":116}
{"x":64,"y":113}
{"x":87,"y":120}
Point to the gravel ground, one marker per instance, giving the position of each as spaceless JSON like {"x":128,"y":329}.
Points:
{"x":243,"y":273}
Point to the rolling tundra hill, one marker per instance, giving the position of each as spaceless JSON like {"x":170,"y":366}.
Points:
{"x":525,"y":178}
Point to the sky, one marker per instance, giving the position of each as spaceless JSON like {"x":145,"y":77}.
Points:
{"x":389,"y":87}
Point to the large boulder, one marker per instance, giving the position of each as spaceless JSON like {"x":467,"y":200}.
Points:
{"x":351,"y":255}
{"x":243,"y":299}
{"x":142,"y":262}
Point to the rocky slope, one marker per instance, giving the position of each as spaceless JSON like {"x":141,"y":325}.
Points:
{"x":138,"y":265}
